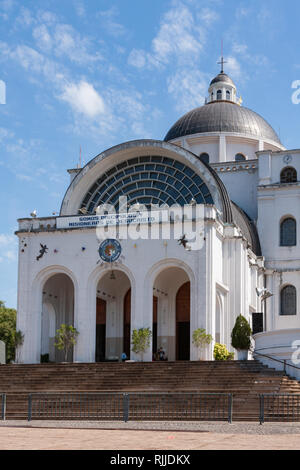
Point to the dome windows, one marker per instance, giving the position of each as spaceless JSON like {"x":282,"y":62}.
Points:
{"x":240,"y":157}
{"x":228,"y":95}
{"x":148,"y":180}
{"x":204,"y":157}
{"x":288,"y":175}
{"x":219,"y":95}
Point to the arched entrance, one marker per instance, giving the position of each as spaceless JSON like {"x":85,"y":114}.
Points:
{"x":113,"y":315}
{"x":172,"y":313}
{"x":183,"y":322}
{"x":57,"y":309}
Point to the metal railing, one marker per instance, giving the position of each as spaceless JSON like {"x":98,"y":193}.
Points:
{"x":284,"y":362}
{"x":131,"y":406}
{"x":3,"y":406}
{"x":279,"y":408}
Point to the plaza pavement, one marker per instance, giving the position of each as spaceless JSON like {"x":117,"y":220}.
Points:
{"x":75,"y":435}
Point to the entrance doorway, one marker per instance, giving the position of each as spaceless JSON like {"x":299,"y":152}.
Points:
{"x":100,"y":330}
{"x":171,"y":312}
{"x":183,"y":322}
{"x":57,"y":309}
{"x":110,"y":309}
{"x":126,"y":327}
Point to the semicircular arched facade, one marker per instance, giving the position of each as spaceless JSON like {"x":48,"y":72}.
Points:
{"x":148,"y":180}
{"x":146,"y":172}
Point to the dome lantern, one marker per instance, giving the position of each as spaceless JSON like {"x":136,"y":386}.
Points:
{"x":222,"y":88}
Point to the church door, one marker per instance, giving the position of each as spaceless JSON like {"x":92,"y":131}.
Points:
{"x":100,"y":330}
{"x":183,"y":323}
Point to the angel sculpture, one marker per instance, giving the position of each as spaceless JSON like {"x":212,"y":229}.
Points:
{"x":183,"y":241}
{"x":43,"y":250}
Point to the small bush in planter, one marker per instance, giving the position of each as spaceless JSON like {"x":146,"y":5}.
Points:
{"x":65,"y":339}
{"x":241,"y":334}
{"x":201,"y":339}
{"x":140,"y":341}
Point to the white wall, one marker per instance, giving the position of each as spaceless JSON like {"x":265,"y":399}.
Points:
{"x":219,"y":268}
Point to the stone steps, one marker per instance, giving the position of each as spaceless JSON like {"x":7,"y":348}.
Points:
{"x":245,"y":380}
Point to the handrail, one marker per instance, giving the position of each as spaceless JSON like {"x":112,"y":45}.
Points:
{"x":282,"y":361}
{"x":3,"y":406}
{"x":125,"y":406}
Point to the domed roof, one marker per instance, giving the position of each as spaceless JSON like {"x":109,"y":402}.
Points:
{"x":222,"y":77}
{"x":222,"y":116}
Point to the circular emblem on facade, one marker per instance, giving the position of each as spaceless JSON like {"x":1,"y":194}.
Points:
{"x":287,"y":159}
{"x":110,"y":250}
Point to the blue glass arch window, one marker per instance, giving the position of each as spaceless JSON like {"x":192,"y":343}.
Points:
{"x":148,"y":180}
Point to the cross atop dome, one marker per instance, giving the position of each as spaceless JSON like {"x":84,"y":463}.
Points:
{"x":222,"y":88}
{"x":222,"y":62}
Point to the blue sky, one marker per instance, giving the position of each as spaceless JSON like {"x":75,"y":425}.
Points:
{"x":96,"y":73}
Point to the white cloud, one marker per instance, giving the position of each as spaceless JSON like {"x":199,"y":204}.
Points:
{"x":22,"y":177}
{"x":25,"y":18}
{"x":108,"y":21}
{"x":181,"y":37}
{"x":176,"y":36}
{"x":6,"y":7}
{"x":208,"y":16}
{"x":137,"y":58}
{"x":83,"y":98}
{"x":242,"y":51}
{"x":8,"y":247}
{"x":242,"y":12}
{"x":42,"y":36}
{"x":180,"y":41}
{"x":233,"y":67}
{"x":5,"y":134}
{"x":63,"y":41}
{"x":6,"y":240}
{"x":188,"y":88}
{"x":80,"y":9}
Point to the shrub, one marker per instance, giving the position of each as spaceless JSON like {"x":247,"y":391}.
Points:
{"x":221,"y":353}
{"x":241,"y":334}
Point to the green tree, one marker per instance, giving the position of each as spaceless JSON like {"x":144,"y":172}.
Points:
{"x":241,"y":334}
{"x":141,"y":341}
{"x":8,"y":319}
{"x":65,"y":338}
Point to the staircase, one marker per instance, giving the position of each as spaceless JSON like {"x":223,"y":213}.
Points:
{"x":245,"y":380}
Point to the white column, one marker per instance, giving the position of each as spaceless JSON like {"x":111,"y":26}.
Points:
{"x":222,"y":148}
{"x":85,"y":323}
{"x":141,"y":313}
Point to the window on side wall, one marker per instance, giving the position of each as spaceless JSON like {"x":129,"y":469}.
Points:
{"x":288,"y":301}
{"x":288,"y":232}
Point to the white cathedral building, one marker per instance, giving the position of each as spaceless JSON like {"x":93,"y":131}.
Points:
{"x":226,"y":159}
